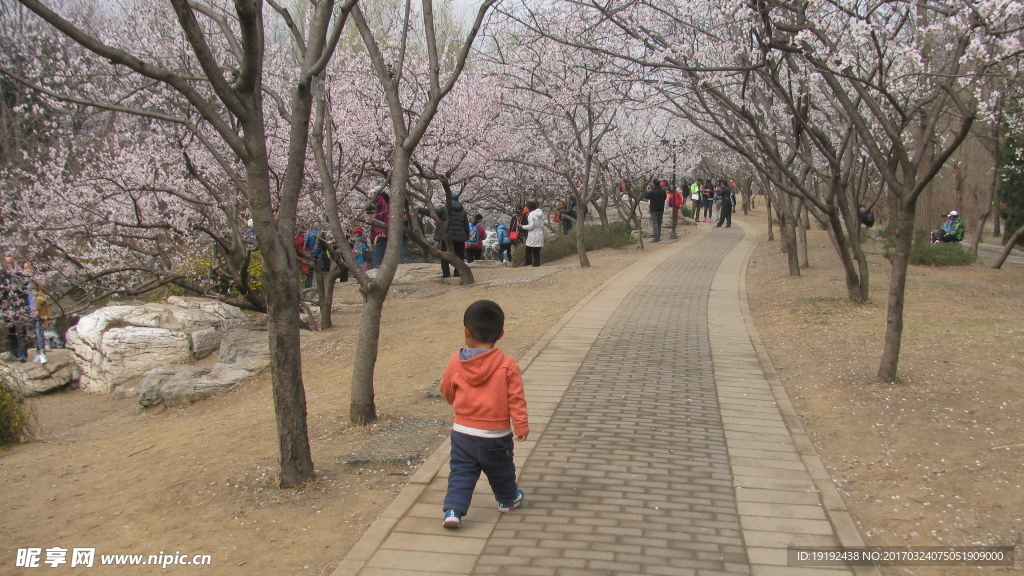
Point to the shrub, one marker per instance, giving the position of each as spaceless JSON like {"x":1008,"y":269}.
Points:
{"x":16,"y":416}
{"x":924,"y":253}
{"x":889,"y":248}
{"x":616,"y":235}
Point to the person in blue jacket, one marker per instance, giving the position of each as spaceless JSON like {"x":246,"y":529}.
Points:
{"x":504,"y":244}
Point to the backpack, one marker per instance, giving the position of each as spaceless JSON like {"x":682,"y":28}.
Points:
{"x":313,"y":244}
{"x":474,"y":236}
{"x":868,"y":218}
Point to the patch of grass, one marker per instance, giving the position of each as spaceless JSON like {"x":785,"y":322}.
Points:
{"x":16,"y":416}
{"x":817,"y":305}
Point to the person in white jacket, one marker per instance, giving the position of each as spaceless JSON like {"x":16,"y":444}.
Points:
{"x":535,"y":239}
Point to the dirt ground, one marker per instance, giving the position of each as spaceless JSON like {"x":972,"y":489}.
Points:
{"x":938,"y":458}
{"x":201,"y":480}
{"x":942,"y":462}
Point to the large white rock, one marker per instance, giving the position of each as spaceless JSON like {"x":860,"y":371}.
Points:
{"x":117,"y":344}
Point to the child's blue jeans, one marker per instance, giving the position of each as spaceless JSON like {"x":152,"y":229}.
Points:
{"x":470,"y":456}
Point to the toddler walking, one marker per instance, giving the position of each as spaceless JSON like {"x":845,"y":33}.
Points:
{"x":485,"y":387}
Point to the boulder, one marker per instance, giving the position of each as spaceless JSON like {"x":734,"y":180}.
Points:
{"x":185,"y":386}
{"x":244,"y":343}
{"x":244,"y":353}
{"x":29,"y":378}
{"x":117,"y":344}
{"x":205,"y":342}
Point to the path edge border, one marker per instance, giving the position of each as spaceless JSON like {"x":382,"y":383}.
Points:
{"x":838,"y":514}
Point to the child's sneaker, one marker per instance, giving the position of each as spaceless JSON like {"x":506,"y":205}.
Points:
{"x":452,"y":519}
{"x":520,"y":499}
{"x":41,"y":358}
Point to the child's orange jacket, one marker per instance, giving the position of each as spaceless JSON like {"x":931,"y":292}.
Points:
{"x":486,"y":391}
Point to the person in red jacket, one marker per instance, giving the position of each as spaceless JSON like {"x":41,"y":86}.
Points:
{"x":485,"y":387}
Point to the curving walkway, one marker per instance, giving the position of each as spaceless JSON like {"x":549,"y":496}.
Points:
{"x":662,"y":443}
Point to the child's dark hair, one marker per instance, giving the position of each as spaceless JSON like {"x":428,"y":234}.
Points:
{"x":485,"y":321}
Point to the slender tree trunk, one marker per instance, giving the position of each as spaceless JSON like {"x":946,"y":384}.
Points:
{"x":854,"y":267}
{"x":803,"y":223}
{"x":997,"y":221}
{"x":787,"y":227}
{"x":904,"y":234}
{"x":581,"y":245}
{"x":362,"y":408}
{"x":863,"y":269}
{"x":993,"y":183}
{"x":771,"y":228}
{"x":602,"y":211}
{"x":325,"y":282}
{"x":1008,"y":247}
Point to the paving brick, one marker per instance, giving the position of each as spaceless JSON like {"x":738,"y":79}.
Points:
{"x":659,"y":446}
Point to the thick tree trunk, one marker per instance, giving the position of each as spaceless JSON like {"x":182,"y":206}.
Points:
{"x":903,"y":226}
{"x":286,"y":374}
{"x":280,"y":280}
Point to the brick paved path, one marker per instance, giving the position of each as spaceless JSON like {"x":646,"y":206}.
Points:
{"x":662,"y":443}
{"x":632,"y":475}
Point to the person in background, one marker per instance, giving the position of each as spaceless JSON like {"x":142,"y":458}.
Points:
{"x":952,"y":230}
{"x":867,"y":217}
{"x":381,"y":207}
{"x":303,"y":254}
{"x":725,"y":197}
{"x":515,"y":232}
{"x":656,"y":198}
{"x":14,"y":309}
{"x":708,"y":194}
{"x":475,"y":240}
{"x":360,"y":248}
{"x":535,"y":239}
{"x":695,"y":197}
{"x":567,"y":214}
{"x":458,"y":230}
{"x":504,"y":244}
{"x":675,"y":201}
{"x":38,"y":310}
